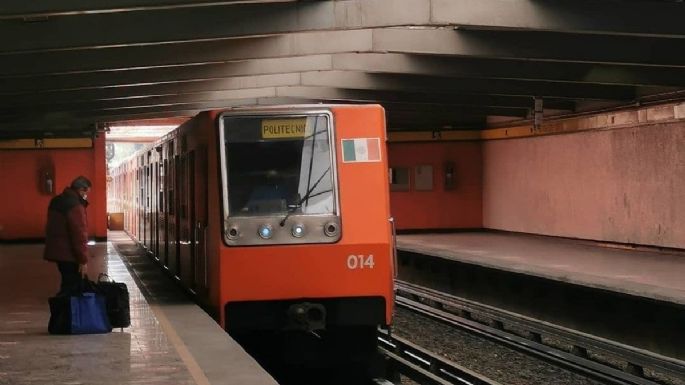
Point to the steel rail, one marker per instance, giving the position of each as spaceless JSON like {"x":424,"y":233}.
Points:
{"x":433,"y":303}
{"x":425,"y":367}
{"x":381,"y":381}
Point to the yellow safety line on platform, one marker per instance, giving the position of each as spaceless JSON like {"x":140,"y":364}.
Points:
{"x":193,"y":367}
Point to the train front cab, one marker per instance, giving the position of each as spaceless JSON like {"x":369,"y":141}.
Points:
{"x":199,"y":202}
{"x":316,"y":259}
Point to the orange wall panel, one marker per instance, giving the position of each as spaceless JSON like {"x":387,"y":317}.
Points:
{"x":439,"y":208}
{"x":23,"y":206}
{"x":98,"y":195}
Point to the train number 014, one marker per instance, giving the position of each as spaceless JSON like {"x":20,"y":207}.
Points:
{"x":360,"y":262}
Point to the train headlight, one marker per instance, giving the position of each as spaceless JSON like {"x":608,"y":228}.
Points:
{"x":265,"y":231}
{"x":297,"y":231}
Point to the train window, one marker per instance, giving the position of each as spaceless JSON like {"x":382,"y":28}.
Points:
{"x":279,"y":165}
{"x":399,"y":179}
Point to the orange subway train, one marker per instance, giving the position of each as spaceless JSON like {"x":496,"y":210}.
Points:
{"x":276,"y":219}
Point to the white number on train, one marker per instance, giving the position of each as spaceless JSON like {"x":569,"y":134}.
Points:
{"x":360,"y":262}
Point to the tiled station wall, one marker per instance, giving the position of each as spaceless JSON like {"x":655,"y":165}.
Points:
{"x":622,"y":185}
{"x":438,"y":208}
{"x":23,"y":201}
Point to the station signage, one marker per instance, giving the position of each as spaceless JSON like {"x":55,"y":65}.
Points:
{"x":284,"y":128}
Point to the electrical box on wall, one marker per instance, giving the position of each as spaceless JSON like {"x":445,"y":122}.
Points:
{"x":450,"y":180}
{"x":46,"y":180}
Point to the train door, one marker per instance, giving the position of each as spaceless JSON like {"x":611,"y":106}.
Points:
{"x":124,"y":188}
{"x":172,"y":212}
{"x":186,"y":220}
{"x":141,"y":203}
{"x":154,"y":193}
{"x":152,"y":211}
{"x":143,"y":199}
{"x":162,"y":210}
{"x":148,"y":204}
{"x":200,"y":220}
{"x":121,"y":189}
{"x":169,"y":207}
{"x":133,"y":199}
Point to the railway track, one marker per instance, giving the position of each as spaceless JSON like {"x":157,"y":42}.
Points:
{"x":425,"y":367}
{"x":461,"y":313}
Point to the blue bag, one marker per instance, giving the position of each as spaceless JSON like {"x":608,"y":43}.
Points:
{"x":89,"y":314}
{"x":81,"y":312}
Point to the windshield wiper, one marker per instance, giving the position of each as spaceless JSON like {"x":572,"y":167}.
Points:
{"x":292,"y":208}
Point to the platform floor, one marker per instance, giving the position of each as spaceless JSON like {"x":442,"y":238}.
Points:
{"x":652,"y":274}
{"x":170,"y":341}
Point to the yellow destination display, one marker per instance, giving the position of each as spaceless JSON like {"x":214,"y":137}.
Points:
{"x":284,"y":128}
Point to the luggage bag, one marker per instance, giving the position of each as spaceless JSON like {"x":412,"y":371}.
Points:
{"x":117,"y":300}
{"x":81,"y":312}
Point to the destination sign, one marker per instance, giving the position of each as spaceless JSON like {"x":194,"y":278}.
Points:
{"x":284,"y":128}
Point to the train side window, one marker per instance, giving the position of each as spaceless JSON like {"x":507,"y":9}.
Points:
{"x":399,"y":179}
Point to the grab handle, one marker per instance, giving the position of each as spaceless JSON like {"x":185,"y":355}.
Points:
{"x":394,"y":246}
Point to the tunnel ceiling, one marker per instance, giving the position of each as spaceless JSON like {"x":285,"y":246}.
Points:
{"x":69,"y":66}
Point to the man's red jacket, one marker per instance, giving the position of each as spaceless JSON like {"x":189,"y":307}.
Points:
{"x":66,"y":233}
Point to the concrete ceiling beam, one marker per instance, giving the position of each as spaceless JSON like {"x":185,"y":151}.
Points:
{"x":642,"y":18}
{"x":464,"y":67}
{"x":552,"y":48}
{"x":165,"y":75}
{"x":207,"y":23}
{"x":79,"y":119}
{"x":223,"y":19}
{"x":142,"y":91}
{"x":20,"y":9}
{"x":150,"y":102}
{"x":184,"y":54}
{"x":403,"y":96}
{"x":361,"y":80}
{"x":541,"y":46}
{"x":278,"y":86}
{"x":290,"y":85}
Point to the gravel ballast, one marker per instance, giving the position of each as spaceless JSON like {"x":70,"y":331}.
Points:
{"x":485,"y":357}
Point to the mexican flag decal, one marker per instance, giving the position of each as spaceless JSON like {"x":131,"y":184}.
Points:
{"x":361,"y":150}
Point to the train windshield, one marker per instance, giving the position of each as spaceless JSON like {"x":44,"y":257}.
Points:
{"x":279,"y":165}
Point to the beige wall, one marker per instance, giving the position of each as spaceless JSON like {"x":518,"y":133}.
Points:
{"x":624,"y":185}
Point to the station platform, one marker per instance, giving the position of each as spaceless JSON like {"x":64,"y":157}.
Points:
{"x":633,"y":271}
{"x":170,"y":341}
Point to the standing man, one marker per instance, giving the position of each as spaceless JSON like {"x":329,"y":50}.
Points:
{"x":66,"y":234}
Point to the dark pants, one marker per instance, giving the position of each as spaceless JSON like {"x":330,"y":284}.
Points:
{"x":70,"y":277}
